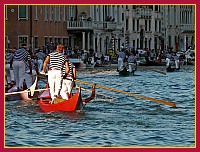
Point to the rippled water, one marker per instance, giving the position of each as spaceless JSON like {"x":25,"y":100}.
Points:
{"x":113,"y":119}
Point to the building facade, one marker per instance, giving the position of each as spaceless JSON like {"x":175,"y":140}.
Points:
{"x":111,"y":27}
{"x":99,"y":27}
{"x":143,"y":27}
{"x":160,"y":26}
{"x":35,"y":25}
{"x":103,"y":28}
{"x":179,"y":26}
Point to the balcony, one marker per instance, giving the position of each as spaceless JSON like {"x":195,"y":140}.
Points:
{"x":90,"y":25}
{"x":79,"y":25}
{"x":105,"y":25}
{"x":109,"y":26}
{"x":187,"y":28}
{"x":143,"y":13}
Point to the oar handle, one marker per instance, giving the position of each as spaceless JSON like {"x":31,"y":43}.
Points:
{"x":158,"y":71}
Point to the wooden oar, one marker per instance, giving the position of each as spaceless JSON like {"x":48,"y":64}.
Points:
{"x":150,"y":69}
{"x":25,"y":91}
{"x":131,"y":94}
{"x":32,"y":88}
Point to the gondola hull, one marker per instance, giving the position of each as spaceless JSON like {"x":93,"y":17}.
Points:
{"x":44,"y":100}
{"x":125,"y":72}
{"x":74,"y":103}
{"x":169,"y":69}
{"x":172,"y":67}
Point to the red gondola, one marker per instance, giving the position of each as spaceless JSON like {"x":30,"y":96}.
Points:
{"x":74,"y":103}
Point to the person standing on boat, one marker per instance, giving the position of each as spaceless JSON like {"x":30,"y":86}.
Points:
{"x":176,"y":60}
{"x":40,"y":59}
{"x":18,"y":62}
{"x":121,"y":57}
{"x":168,"y":58}
{"x":132,"y":62}
{"x":9,"y":70}
{"x":68,"y":80}
{"x":56,"y":62}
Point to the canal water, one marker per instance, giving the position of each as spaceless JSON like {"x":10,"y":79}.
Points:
{"x":112,"y":119}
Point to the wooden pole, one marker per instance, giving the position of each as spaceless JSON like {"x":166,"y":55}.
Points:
{"x":25,"y":91}
{"x":131,"y":94}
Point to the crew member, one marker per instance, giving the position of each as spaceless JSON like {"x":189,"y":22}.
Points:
{"x":56,"y":62}
{"x":121,"y":57}
{"x":131,"y":62}
{"x":68,"y":80}
{"x":40,"y":59}
{"x":9,"y":70}
{"x":168,"y":58}
{"x":18,"y":60}
{"x":176,"y":60}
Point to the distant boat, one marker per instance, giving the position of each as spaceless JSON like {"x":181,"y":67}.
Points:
{"x":78,"y":63}
{"x":153,"y":63}
{"x":125,"y":72}
{"x":172,"y":67}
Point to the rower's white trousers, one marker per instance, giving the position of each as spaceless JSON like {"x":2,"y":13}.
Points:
{"x":19,"y":73}
{"x":120,"y":63}
{"x":131,"y":67}
{"x":54,"y":80}
{"x":9,"y":74}
{"x":177,"y":64}
{"x":167,"y":62}
{"x":66,"y":90}
{"x":40,"y":64}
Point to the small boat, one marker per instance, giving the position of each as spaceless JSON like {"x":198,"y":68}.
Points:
{"x":90,"y":65}
{"x":125,"y":72}
{"x":28,"y":94}
{"x":152,"y":63}
{"x":172,"y":67}
{"x":78,"y":63}
{"x":70,"y":105}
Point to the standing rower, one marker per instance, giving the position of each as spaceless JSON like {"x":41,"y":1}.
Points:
{"x":68,"y":80}
{"x":168,"y":59}
{"x":176,"y":60}
{"x":121,"y":58}
{"x":56,"y":62}
{"x":40,"y":59}
{"x":9,"y":71}
{"x":132,"y":63}
{"x":18,"y":60}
